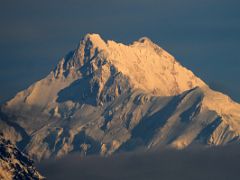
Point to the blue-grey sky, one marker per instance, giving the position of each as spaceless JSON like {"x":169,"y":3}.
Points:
{"x":204,"y":35}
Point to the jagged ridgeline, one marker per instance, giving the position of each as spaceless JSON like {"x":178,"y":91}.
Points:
{"x":14,"y":164}
{"x":107,"y":97}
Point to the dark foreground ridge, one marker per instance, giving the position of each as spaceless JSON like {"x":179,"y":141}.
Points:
{"x":14,"y":164}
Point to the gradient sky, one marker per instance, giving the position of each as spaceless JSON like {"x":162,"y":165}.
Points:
{"x":204,"y":35}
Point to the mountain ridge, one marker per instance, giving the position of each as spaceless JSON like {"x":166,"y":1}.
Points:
{"x":106,"y":97}
{"x":14,"y":164}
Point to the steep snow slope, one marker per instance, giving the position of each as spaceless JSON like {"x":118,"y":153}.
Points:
{"x":106,"y":97}
{"x":14,"y":164}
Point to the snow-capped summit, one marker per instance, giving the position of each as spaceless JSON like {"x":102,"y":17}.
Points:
{"x":105,"y":97}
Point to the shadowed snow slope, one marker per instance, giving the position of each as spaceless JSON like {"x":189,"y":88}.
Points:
{"x":107,"y":97}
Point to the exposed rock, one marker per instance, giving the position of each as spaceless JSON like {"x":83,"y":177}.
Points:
{"x":106,"y":97}
{"x":14,"y":164}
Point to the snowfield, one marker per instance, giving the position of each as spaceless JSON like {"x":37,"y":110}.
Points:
{"x":105,"y":97}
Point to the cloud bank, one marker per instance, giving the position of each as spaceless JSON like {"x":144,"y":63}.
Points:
{"x":190,"y":164}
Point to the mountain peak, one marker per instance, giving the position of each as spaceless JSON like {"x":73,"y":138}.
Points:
{"x":146,"y":67}
{"x":106,"y":97}
{"x":94,"y":39}
{"x":145,"y":40}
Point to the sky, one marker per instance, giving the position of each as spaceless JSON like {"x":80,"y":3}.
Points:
{"x":202,"y":35}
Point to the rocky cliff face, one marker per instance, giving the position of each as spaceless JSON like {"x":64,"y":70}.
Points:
{"x":106,"y":97}
{"x":14,"y":164}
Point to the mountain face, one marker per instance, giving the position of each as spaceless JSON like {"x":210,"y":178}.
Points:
{"x":14,"y":164}
{"x":107,"y":97}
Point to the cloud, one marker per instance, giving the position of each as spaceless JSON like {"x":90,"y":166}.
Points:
{"x":198,"y":164}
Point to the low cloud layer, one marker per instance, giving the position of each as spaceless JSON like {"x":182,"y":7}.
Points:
{"x":198,"y":164}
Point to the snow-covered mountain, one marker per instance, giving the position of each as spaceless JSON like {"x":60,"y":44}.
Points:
{"x":14,"y":164}
{"x":106,"y":97}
